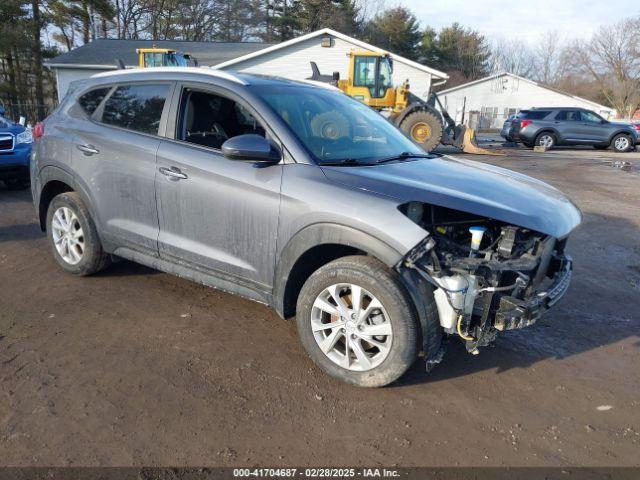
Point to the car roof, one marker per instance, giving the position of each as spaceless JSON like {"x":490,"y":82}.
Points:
{"x":555,"y":108}
{"x":192,"y":73}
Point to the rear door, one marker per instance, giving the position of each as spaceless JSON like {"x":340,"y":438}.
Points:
{"x":114,"y":156}
{"x":568,"y":124}
{"x":216,"y":214}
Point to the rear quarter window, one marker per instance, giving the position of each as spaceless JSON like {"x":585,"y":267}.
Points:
{"x":92,"y":99}
{"x":136,"y":107}
{"x":535,"y":114}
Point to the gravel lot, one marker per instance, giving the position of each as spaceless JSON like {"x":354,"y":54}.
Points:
{"x":136,"y":367}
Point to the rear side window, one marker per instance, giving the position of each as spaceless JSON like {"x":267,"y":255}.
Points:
{"x":569,"y":116}
{"x":90,"y":100}
{"x":136,"y":107}
{"x":534,"y":114}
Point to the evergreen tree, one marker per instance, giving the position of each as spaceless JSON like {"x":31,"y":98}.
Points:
{"x":461,"y":52}
{"x":340,"y":15}
{"x":396,"y":30}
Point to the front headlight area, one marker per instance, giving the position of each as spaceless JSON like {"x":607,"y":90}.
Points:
{"x":471,"y":262}
{"x":25,"y":137}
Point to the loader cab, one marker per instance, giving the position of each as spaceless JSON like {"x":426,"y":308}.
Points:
{"x":371,"y":79}
{"x":164,"y":57}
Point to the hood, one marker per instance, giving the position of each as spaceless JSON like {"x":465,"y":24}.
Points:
{"x":468,"y":186}
{"x":623,"y":124}
{"x":15,"y":128}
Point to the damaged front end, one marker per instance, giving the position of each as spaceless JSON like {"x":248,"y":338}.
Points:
{"x":486,"y":276}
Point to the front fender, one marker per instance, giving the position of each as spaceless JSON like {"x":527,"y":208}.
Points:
{"x":326,"y":234}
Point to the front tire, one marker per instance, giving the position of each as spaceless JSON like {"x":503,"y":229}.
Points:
{"x":622,"y":143}
{"x":357,"y":323}
{"x":425,"y":128}
{"x":73,"y":236}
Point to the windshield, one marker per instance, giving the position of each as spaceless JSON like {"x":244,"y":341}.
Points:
{"x":4,"y":123}
{"x":173,"y":60}
{"x":334,"y":127}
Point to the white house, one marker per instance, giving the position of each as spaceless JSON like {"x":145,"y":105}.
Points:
{"x":487,"y":102}
{"x":290,"y":59}
{"x":329,"y":49}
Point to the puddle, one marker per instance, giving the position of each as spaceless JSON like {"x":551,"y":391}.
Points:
{"x":624,"y":165}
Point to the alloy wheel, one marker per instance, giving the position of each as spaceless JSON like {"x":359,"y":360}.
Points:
{"x":351,"y":327}
{"x":68,"y":236}
{"x":621,"y":144}
{"x":546,"y":141}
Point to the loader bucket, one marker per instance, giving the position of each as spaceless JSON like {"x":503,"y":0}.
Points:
{"x":466,"y":141}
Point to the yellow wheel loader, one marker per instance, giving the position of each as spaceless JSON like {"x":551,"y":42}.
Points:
{"x":164,"y":57}
{"x":370,"y":81}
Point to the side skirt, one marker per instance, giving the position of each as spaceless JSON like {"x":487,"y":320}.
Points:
{"x":189,"y":272}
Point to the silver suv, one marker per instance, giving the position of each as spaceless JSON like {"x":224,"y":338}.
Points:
{"x":302,"y":198}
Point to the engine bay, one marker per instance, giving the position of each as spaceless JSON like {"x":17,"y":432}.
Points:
{"x":487,"y":276}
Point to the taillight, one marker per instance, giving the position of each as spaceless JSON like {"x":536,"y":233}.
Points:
{"x":38,"y":130}
{"x":524,"y":123}
{"x":636,"y":126}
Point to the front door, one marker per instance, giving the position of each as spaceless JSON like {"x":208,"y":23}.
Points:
{"x":594,"y":128}
{"x":115,"y":157}
{"x":217,"y":214}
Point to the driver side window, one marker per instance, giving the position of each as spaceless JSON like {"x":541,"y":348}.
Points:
{"x":209,"y":120}
{"x":589,"y":117}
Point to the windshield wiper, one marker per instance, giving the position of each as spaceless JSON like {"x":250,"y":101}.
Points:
{"x":344,"y":161}
{"x":403,"y":156}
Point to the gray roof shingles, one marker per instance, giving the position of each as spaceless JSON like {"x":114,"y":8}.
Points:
{"x":106,"y":51}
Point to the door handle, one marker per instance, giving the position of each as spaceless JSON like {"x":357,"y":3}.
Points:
{"x":173,"y":173}
{"x":88,"y":149}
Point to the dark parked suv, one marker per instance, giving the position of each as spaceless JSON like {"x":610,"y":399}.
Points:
{"x":302,"y":198}
{"x":548,"y":127}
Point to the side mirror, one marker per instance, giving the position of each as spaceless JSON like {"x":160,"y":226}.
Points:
{"x":251,"y":148}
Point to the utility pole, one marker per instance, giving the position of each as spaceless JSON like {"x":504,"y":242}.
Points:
{"x":37,"y":59}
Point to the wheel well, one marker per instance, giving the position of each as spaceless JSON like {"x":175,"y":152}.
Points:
{"x":547,"y":131}
{"x":620,"y":132}
{"x":49,"y":192}
{"x":305,"y":265}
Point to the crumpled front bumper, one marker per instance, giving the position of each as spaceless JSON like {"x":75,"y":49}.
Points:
{"x":516,"y":313}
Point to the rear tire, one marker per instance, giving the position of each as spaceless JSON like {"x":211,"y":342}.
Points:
{"x":622,"y":143}
{"x":328,"y":297}
{"x":73,"y":236}
{"x":546,"y":139}
{"x":424,"y":127}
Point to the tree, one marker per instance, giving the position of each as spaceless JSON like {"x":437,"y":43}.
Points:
{"x":513,"y":56}
{"x":552,"y":59}
{"x":462,"y":53}
{"x":612,"y":59}
{"x":235,"y":20}
{"x":36,"y":32}
{"x":281,"y":20}
{"x":341,"y":15}
{"x":396,"y":30}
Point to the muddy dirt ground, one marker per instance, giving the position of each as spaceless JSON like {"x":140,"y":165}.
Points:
{"x":136,"y":367}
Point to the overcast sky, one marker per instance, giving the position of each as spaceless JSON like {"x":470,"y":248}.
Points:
{"x":524,"y":19}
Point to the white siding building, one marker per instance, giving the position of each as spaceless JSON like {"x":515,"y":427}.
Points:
{"x":290,"y":59}
{"x":329,"y":49}
{"x":487,"y":102}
